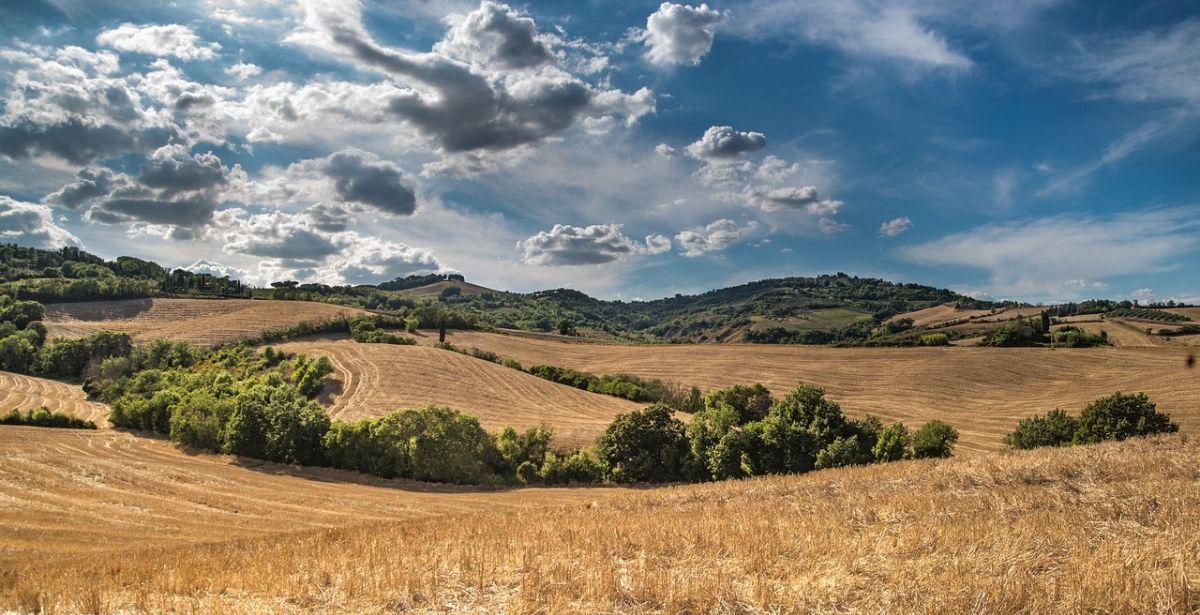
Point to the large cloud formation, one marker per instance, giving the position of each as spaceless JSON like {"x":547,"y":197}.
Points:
{"x":69,"y":104}
{"x":565,"y":245}
{"x":680,"y":34}
{"x":503,"y":91}
{"x":31,"y":225}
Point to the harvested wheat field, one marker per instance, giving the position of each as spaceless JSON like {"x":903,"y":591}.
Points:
{"x":66,"y":493}
{"x":26,"y":393}
{"x":983,"y":392}
{"x":1106,"y":528}
{"x":199,"y":321}
{"x":375,"y":379}
{"x":939,"y":314}
{"x":1121,"y":333}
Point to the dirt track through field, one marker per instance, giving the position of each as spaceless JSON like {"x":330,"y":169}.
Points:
{"x":26,"y":393}
{"x":376,"y":379}
{"x":199,"y":321}
{"x":66,"y":492}
{"x":983,"y":392}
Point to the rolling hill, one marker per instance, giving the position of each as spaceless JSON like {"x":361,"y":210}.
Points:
{"x":1105,"y":528}
{"x":983,"y":392}
{"x":375,"y":379}
{"x":198,"y":321}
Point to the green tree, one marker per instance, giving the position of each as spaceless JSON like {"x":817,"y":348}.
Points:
{"x":644,"y":446}
{"x":934,"y":439}
{"x":1056,"y":428}
{"x":1120,"y":416}
{"x":894,"y":443}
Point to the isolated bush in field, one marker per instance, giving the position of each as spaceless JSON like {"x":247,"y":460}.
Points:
{"x":411,"y":324}
{"x":1074,"y":337}
{"x":577,"y":467}
{"x":894,"y":443}
{"x":1056,"y":428}
{"x":934,"y":439}
{"x":644,"y":446}
{"x":1121,"y":416}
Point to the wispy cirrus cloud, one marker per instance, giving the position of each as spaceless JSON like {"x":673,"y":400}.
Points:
{"x":1045,"y":257}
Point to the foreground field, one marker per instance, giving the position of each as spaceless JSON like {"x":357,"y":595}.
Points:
{"x":199,"y":321}
{"x":26,"y":393}
{"x":1108,"y":528}
{"x":983,"y":392}
{"x":67,"y":493}
{"x":375,"y":379}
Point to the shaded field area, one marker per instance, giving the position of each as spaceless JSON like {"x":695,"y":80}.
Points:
{"x":983,"y":392}
{"x":26,"y":393}
{"x":198,"y":321}
{"x":376,"y":379}
{"x":1107,"y":528}
{"x":71,"y":493}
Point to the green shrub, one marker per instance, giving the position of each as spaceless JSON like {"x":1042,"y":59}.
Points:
{"x":894,"y":443}
{"x":1056,"y":428}
{"x":644,"y":446}
{"x":514,"y":450}
{"x":934,"y":439}
{"x":1121,"y":416}
{"x":573,"y":468}
{"x":1074,"y":337}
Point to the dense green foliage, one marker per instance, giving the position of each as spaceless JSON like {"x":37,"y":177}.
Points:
{"x":43,"y":417}
{"x":1019,"y":332}
{"x":1116,"y":417}
{"x":25,"y":350}
{"x":743,"y":431}
{"x":70,"y":274}
{"x":1074,"y":337}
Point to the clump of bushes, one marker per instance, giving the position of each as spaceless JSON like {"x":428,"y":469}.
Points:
{"x":742,"y":431}
{"x":43,"y":417}
{"x":1074,"y":337}
{"x":24,"y":348}
{"x":1116,"y":417}
{"x":366,"y":330}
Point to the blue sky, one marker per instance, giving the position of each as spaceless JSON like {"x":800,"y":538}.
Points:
{"x":1035,"y":149}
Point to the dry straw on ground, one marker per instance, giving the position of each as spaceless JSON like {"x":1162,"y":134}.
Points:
{"x":1108,"y":528}
{"x":26,"y":393}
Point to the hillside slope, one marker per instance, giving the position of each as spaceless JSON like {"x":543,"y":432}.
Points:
{"x":1107,"y":528}
{"x":199,"y":321}
{"x":26,"y":393}
{"x":981,"y":391}
{"x":376,"y":379}
{"x":66,"y":492}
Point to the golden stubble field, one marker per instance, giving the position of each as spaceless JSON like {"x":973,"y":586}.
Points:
{"x":68,"y":493}
{"x":376,"y":379}
{"x":25,"y":393}
{"x":983,"y":392}
{"x":199,"y":321}
{"x":1108,"y":528}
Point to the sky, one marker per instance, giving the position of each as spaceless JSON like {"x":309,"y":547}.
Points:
{"x":1040,"y":150}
